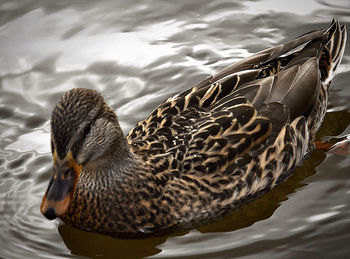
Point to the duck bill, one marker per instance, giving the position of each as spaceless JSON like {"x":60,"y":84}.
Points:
{"x":61,"y":187}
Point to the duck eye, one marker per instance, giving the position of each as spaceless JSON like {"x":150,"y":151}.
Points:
{"x":83,"y":133}
{"x":87,"y":129}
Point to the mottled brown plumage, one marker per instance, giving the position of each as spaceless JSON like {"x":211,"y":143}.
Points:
{"x":200,"y":154}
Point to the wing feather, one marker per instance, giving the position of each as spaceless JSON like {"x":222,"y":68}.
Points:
{"x":243,"y":130}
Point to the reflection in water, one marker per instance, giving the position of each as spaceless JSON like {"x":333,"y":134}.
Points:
{"x":137,"y":56}
{"x":96,"y":245}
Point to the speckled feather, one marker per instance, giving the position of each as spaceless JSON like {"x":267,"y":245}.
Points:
{"x":211,"y":149}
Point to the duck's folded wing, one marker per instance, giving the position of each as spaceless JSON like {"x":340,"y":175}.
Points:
{"x":334,"y":37}
{"x":287,"y":77}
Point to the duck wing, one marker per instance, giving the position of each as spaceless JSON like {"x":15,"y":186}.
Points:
{"x":289,"y":75}
{"x":237,"y":134}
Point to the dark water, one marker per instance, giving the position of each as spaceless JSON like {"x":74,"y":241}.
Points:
{"x":137,"y":54}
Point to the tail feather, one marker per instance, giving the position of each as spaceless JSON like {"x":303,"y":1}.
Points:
{"x":335,"y":43}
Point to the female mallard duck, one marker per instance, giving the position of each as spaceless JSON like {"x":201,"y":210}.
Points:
{"x":200,"y":154}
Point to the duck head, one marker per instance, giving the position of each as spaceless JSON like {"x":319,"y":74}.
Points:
{"x":83,"y":128}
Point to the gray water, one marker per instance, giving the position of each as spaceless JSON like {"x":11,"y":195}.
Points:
{"x":137,"y":54}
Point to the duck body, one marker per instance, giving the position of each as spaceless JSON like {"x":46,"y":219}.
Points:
{"x":202,"y":153}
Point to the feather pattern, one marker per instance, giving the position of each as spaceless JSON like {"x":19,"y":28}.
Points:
{"x":239,"y":133}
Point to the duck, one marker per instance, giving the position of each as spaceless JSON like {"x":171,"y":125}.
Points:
{"x":202,"y":153}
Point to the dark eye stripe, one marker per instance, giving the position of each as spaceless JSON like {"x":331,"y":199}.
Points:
{"x":80,"y":140}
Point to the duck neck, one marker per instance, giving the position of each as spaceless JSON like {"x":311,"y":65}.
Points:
{"x":117,"y":165}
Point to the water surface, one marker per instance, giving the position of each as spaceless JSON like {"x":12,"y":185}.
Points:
{"x":137,"y":54}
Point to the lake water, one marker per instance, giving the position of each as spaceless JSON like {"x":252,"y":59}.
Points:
{"x":138,"y":53}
